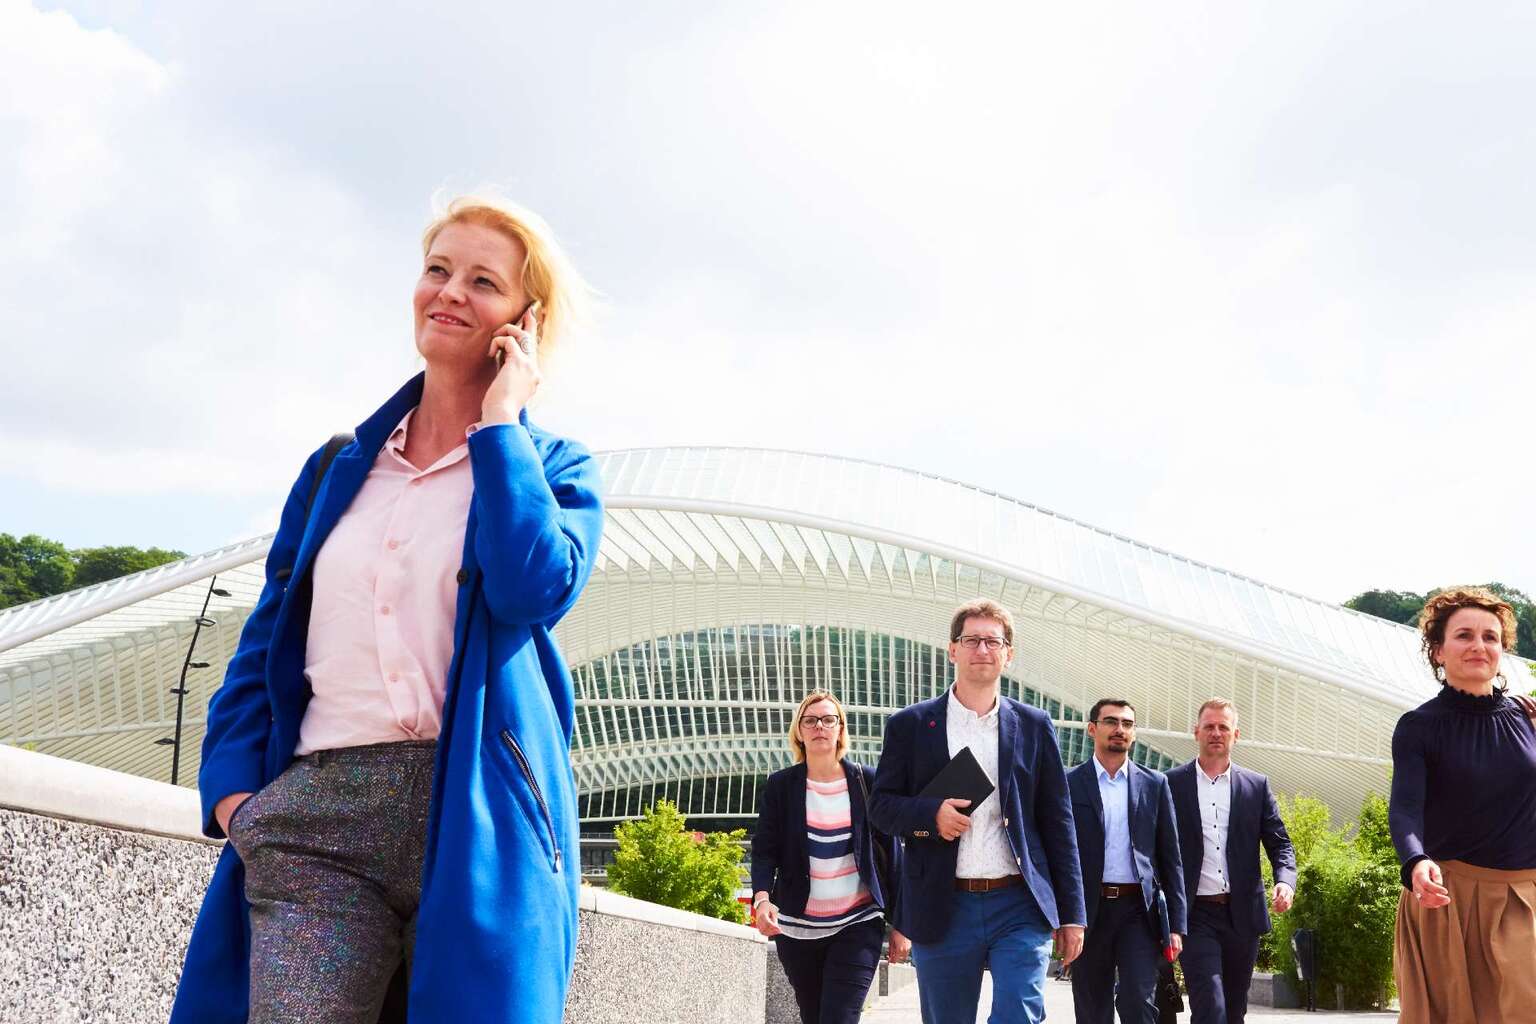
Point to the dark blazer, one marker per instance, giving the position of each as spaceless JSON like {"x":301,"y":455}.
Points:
{"x":1255,"y":819}
{"x":1037,"y":815}
{"x":1154,"y":838}
{"x":781,"y":865}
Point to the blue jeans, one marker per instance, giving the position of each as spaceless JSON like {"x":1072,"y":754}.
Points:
{"x":1003,"y":930}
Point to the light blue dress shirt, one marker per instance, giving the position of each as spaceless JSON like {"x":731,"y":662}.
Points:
{"x":1115,"y":795}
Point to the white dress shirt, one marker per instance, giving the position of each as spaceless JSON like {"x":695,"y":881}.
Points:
{"x":1115,"y":795}
{"x":1215,"y":812}
{"x":984,"y":851}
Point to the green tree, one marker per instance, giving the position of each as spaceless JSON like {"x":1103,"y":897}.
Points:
{"x":32,"y":567}
{"x":1404,"y":606}
{"x":660,"y":860}
{"x":1393,"y":605}
{"x":93,"y":565}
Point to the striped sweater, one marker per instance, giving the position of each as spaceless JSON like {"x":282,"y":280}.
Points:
{"x":839,"y":896}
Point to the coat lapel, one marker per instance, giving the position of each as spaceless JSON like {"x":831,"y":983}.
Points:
{"x":1134,"y":780}
{"x":1007,"y":746}
{"x":796,"y":815}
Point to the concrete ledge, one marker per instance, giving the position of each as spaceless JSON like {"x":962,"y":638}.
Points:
{"x":102,"y":874}
{"x":56,"y":788}
{"x":603,"y":901}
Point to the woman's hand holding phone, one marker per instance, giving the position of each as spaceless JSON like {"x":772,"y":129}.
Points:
{"x":515,"y":350}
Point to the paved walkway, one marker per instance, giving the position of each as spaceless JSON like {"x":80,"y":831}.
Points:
{"x":902,"y":1008}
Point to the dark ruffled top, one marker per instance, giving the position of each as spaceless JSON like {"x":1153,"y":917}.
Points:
{"x":1464,"y":783}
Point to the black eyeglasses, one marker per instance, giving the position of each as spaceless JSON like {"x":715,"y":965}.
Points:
{"x":986,"y":643}
{"x":825,"y":721}
{"x":1115,"y":723}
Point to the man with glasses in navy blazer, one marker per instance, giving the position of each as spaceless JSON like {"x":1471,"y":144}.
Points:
{"x":989,"y":885}
{"x":1224,"y":814}
{"x":1129,"y":847}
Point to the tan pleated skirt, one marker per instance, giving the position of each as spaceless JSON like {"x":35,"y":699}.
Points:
{"x":1474,"y":961}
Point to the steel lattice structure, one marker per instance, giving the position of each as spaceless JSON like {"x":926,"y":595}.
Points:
{"x":730,"y":581}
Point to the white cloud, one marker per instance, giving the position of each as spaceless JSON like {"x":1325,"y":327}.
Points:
{"x":1232,"y":280}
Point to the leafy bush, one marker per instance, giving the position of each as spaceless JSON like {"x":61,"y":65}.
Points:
{"x":1347,"y":890}
{"x":660,"y":860}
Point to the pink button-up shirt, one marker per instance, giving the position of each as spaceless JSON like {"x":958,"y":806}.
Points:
{"x":385,"y":594}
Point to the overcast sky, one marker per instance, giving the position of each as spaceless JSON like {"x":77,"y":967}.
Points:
{"x":1252,"y":282}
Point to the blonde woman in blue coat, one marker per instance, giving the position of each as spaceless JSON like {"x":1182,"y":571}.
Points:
{"x":389,"y":755}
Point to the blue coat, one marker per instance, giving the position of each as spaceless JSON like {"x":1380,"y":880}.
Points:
{"x":1255,"y":819}
{"x":1037,"y":815}
{"x":1154,"y":838}
{"x":781,"y":863}
{"x":496,"y":930}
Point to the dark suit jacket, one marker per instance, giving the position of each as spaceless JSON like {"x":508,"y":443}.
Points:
{"x":1037,"y":815}
{"x":1255,"y":819}
{"x":1154,"y":838}
{"x":781,"y":864}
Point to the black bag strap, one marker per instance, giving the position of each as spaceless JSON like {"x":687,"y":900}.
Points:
{"x":327,"y":456}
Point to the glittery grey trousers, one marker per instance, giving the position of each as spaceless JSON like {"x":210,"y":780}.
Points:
{"x":333,"y":850}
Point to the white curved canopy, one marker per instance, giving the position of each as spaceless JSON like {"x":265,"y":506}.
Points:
{"x":730,"y":581}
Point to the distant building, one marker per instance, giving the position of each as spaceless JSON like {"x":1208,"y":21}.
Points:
{"x":731,"y":581}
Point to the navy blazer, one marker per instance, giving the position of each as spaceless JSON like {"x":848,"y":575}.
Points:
{"x":1037,"y":815}
{"x":1154,"y":838}
{"x":781,"y":864}
{"x":1255,"y":819}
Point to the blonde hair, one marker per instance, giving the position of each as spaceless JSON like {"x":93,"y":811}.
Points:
{"x":548,"y":275}
{"x":1438,"y":610}
{"x":1217,"y":703}
{"x":795,"y":746}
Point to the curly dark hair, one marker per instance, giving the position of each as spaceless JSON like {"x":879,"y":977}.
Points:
{"x":1438,"y":610}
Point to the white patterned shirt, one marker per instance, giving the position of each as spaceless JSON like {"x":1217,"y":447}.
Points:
{"x":984,"y":851}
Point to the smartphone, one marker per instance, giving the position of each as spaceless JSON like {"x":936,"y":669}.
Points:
{"x":501,"y":356}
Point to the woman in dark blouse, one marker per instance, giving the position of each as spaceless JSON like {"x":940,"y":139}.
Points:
{"x":1463,"y":818}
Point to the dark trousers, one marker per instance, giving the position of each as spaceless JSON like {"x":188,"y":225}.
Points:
{"x":1218,"y":965}
{"x":1118,"y":942}
{"x":831,"y":976}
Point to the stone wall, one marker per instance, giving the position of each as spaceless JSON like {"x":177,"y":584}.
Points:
{"x":101,"y":876}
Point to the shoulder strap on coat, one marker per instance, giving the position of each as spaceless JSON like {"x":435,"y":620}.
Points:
{"x":327,"y":456}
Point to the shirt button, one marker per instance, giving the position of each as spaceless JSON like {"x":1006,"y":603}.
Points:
{"x":384,"y":610}
{"x":393,"y":545}
{"x":394,"y":677}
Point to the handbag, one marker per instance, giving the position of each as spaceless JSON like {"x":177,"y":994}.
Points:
{"x":882,"y":855}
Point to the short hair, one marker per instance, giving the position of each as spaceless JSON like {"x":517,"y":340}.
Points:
{"x":547,"y":273}
{"x":1093,"y":715}
{"x":981,"y":608}
{"x":795,"y":746}
{"x":1438,"y":610}
{"x":1216,"y":702}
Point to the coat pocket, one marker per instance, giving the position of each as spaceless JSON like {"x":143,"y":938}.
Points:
{"x":545,"y":826}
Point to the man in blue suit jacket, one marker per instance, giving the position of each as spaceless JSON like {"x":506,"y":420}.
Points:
{"x":1224,"y":813}
{"x":1129,"y":847}
{"x":990,"y":884}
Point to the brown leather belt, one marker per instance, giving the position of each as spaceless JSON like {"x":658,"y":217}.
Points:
{"x":1114,"y":891}
{"x":987,"y":884}
{"x":1218,"y":897}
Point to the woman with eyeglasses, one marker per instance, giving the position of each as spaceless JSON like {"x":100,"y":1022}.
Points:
{"x":817,"y":890}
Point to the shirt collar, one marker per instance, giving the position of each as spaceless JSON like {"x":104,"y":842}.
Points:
{"x":1104,"y":772}
{"x":1227,"y":775}
{"x":395,"y":443}
{"x":957,"y":708}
